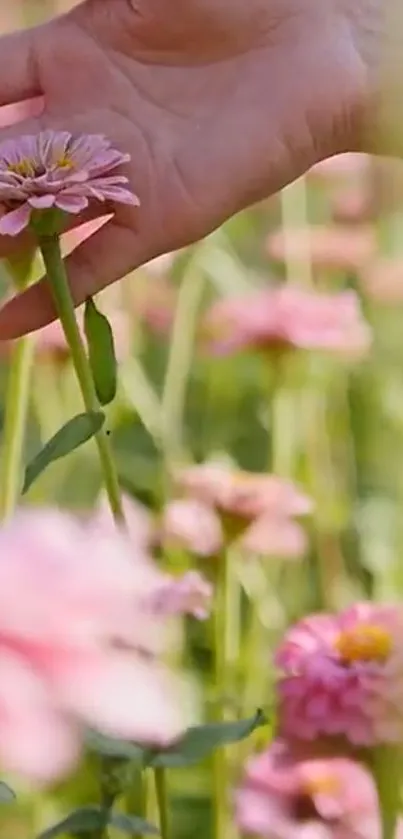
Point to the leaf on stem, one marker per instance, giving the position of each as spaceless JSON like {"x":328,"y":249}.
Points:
{"x":101,"y":351}
{"x":93,"y":818}
{"x":76,"y":432}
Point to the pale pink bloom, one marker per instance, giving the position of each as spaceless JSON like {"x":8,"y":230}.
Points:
{"x":79,"y":643}
{"x":53,"y":169}
{"x":283,"y":797}
{"x":274,"y":536}
{"x":337,"y":247}
{"x":382,"y":281}
{"x":190,"y":594}
{"x":352,"y":205}
{"x":286,"y":317}
{"x":347,"y":166}
{"x":139,"y":521}
{"x":193,"y":525}
{"x":242,"y":494}
{"x":342,"y":675}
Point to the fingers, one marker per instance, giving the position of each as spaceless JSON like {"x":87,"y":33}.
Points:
{"x":19,"y":76}
{"x":108,"y":255}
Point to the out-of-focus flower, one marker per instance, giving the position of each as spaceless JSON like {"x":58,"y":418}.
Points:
{"x":287,"y":798}
{"x":348,"y":166}
{"x":383,"y":280}
{"x":352,"y":205}
{"x":275,"y":536}
{"x":342,"y":676}
{"x":339,"y":247}
{"x":80,"y":643}
{"x":140,"y":523}
{"x":285,"y":317}
{"x":153,"y":303}
{"x":55,"y":169}
{"x":246,"y":495}
{"x":193,"y":525}
{"x":190,"y":594}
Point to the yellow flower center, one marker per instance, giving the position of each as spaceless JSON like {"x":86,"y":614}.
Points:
{"x":24,"y":167}
{"x":64,"y":162}
{"x":325,"y":784}
{"x":364,"y":643}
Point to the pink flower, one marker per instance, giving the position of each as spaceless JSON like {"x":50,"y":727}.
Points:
{"x":189,"y":594}
{"x":382,"y":281}
{"x":274,"y":536}
{"x":242,"y":494}
{"x":337,"y":247}
{"x":79,"y":643}
{"x":283,"y":797}
{"x":342,"y":675}
{"x":290,"y":317}
{"x":56,"y":170}
{"x":193,"y":525}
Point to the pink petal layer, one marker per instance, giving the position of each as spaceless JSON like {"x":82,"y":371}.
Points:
{"x":15,"y":221}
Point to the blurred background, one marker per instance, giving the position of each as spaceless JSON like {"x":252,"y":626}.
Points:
{"x":332,"y":422}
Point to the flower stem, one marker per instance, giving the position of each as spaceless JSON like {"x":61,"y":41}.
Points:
{"x":162,"y":801}
{"x":57,"y":277}
{"x":387,"y":773}
{"x":16,"y":403}
{"x":220,"y":762}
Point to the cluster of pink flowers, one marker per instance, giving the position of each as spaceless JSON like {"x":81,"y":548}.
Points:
{"x":56,"y":170}
{"x":219,"y":503}
{"x":289,"y":317}
{"x":81,"y":643}
{"x":287,"y":796}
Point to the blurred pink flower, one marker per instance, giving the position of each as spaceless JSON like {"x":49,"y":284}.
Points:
{"x":352,"y":205}
{"x":140,"y":523}
{"x":382,"y":281}
{"x":337,"y":247}
{"x":79,"y":643}
{"x":274,"y":536}
{"x":243,"y":494}
{"x":55,"y":169}
{"x":190,"y":594}
{"x":289,"y":317}
{"x":342,"y":675}
{"x":287,"y":798}
{"x":193,"y":525}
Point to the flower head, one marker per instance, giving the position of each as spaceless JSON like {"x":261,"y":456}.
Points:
{"x":242,"y":494}
{"x":53,"y":169}
{"x":80,"y":643}
{"x":289,"y":317}
{"x":328,"y":248}
{"x":273,"y":535}
{"x":342,"y":676}
{"x":283,"y":797}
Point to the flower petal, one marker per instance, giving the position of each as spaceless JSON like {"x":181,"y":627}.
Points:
{"x":71,"y":203}
{"x":12,"y":223}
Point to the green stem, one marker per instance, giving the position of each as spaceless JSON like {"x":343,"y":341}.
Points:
{"x":17,"y":400}
{"x":220,"y":762}
{"x":387,"y":769}
{"x":56,"y":272}
{"x":17,"y":404}
{"x":162,"y":801}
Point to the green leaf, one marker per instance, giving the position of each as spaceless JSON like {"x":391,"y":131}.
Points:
{"x":93,"y":818}
{"x":101,"y":351}
{"x":199,"y":741}
{"x":109,"y":747}
{"x":132,"y":825}
{"x":76,"y":432}
{"x":6,"y":793}
{"x":83,"y":820}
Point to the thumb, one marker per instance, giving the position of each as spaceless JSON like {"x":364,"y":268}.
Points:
{"x":108,"y":255}
{"x":19,"y":75}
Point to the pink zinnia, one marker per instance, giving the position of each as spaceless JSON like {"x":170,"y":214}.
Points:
{"x":278,"y":536}
{"x":79,"y":643}
{"x":289,"y":317}
{"x":245,"y":495}
{"x":56,"y":170}
{"x":283,"y":797}
{"x":342,"y":675}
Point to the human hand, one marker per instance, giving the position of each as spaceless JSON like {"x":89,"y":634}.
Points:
{"x":220,"y":103}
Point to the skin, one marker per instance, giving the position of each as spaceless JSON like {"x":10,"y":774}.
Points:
{"x":219,"y":102}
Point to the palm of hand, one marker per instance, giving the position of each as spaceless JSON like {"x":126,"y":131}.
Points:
{"x":210,"y":128}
